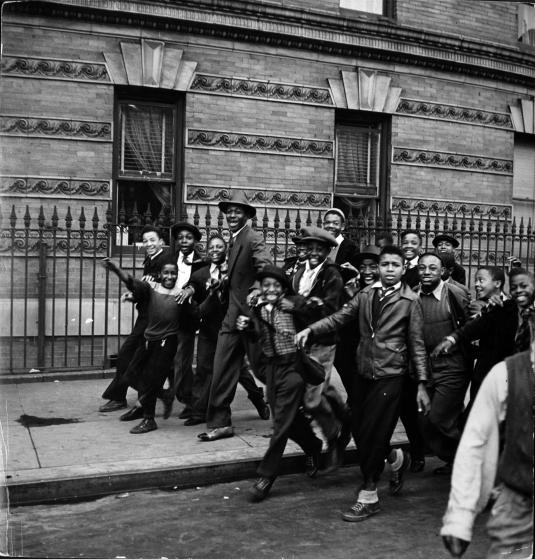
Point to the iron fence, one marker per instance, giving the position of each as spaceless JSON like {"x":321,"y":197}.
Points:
{"x":62,"y":311}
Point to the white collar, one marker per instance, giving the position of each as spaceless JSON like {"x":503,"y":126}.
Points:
{"x":392,"y":288}
{"x":437,"y":292}
{"x":155,"y":255}
{"x":234,"y":235}
{"x":339,"y":239}
{"x":315,"y":270}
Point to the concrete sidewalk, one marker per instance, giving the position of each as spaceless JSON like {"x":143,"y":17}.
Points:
{"x":57,"y":446}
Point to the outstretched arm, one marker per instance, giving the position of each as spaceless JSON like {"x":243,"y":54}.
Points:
{"x":112,"y":267}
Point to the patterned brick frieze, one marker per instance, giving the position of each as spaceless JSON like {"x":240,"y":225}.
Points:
{"x":453,"y":161}
{"x":256,"y":143}
{"x":72,"y":70}
{"x":450,"y":207}
{"x":55,"y":128}
{"x":55,"y":187}
{"x":442,"y":111}
{"x":261,"y":89}
{"x":212,"y":195}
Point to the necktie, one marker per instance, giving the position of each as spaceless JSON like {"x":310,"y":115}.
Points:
{"x":523,"y":335}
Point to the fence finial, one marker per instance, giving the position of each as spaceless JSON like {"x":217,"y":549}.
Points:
{"x":27,"y":218}
{"x":13,"y":217}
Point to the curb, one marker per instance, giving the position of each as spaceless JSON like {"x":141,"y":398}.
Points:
{"x":22,"y":378}
{"x":171,"y":479}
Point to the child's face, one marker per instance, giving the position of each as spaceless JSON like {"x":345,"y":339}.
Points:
{"x":485,"y":286}
{"x":301,"y":251}
{"x":317,"y":253}
{"x":334,"y":224}
{"x":410,"y":245}
{"x":522,"y":290}
{"x":169,"y":275}
{"x":369,"y":271}
{"x":272,"y":289}
{"x":216,"y":250}
{"x":152,"y":243}
{"x":391,"y":268}
{"x":185,"y":241}
{"x":444,"y":246}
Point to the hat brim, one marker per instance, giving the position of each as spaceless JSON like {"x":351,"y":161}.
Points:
{"x":186,"y":227}
{"x":329,"y":243}
{"x":452,"y":240}
{"x":249,"y":210}
{"x":361,"y":256}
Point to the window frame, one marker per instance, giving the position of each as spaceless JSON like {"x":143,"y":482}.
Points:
{"x":349,"y":117}
{"x":389,"y":11}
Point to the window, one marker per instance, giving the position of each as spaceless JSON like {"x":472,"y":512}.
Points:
{"x":146,"y":160}
{"x":524,"y":177}
{"x":526,"y":23}
{"x":371,"y":6}
{"x":360,"y":166}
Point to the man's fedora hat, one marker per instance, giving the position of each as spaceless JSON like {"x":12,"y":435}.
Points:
{"x":371,"y":252}
{"x":317,"y":234}
{"x":185,"y":226}
{"x":297,"y":239}
{"x":238,"y":199}
{"x":270,"y":271}
{"x":447,"y":238}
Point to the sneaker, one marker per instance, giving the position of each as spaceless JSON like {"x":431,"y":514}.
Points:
{"x":360,"y":511}
{"x":259,"y":491}
{"x":396,"y":476}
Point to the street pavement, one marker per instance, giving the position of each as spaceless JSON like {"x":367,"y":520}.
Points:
{"x":299,"y":520}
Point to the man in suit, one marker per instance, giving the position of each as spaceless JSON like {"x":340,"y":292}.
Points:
{"x":188,"y":261}
{"x":247,"y":256}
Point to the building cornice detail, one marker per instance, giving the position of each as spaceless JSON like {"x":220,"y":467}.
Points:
{"x":55,"y":187}
{"x":56,"y":128}
{"x":453,"y":161}
{"x":259,"y":143}
{"x":380,"y":39}
{"x":459,"y":208}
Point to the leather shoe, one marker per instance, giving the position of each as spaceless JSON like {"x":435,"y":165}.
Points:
{"x":259,"y":491}
{"x":193,"y":421}
{"x":217,"y":433}
{"x":148,"y":424}
{"x":185,"y":413}
{"x":263,"y":409}
{"x":113,"y":405}
{"x":396,"y":477}
{"x":312,"y":464}
{"x":444,"y":470}
{"x":132,"y":414}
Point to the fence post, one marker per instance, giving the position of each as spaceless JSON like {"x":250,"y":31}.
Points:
{"x":41,"y":305}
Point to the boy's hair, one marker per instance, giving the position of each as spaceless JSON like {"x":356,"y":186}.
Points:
{"x":216,"y":236}
{"x":387,"y":237}
{"x":434,"y":255}
{"x":151,"y":229}
{"x":410,"y":232}
{"x":392,"y":249}
{"x":520,"y":272}
{"x":497,"y":274}
{"x":169,"y":263}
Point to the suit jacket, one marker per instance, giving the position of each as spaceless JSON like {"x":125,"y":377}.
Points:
{"x":197,"y":262}
{"x":347,"y":252}
{"x":384,"y":351}
{"x":458,"y":274}
{"x":190,"y":317}
{"x":248,"y":256}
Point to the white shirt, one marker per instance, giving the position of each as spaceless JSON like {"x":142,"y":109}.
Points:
{"x":308,"y":278}
{"x":215,"y":270}
{"x":412,"y":263}
{"x":436,"y":293}
{"x":387,"y":291}
{"x":234,"y":235}
{"x":184,"y":270}
{"x":476,"y":461}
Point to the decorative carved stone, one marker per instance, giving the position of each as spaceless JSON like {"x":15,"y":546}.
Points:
{"x":440,"y":111}
{"x":79,"y":129}
{"x":455,"y":161}
{"x":261,"y":89}
{"x":51,"y":186}
{"x":261,"y":198}
{"x":449,"y":207}
{"x":213,"y":139}
{"x":56,"y":69}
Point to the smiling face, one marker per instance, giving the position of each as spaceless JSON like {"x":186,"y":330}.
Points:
{"x":391,"y":267}
{"x":430,"y":271}
{"x":522,"y":290}
{"x":216,"y":250}
{"x":236,"y":218}
{"x":169,"y":275}
{"x":152,"y":243}
{"x":485,"y":285}
{"x":272,"y":289}
{"x":334,"y":224}
{"x":185,"y":241}
{"x":410,"y":245}
{"x":317,"y":252}
{"x":301,"y":251}
{"x":369,"y":271}
{"x":444,"y":246}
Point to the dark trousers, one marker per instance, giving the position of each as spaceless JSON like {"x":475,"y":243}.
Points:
{"x":230,"y":351}
{"x":345,"y":356}
{"x":375,"y":406}
{"x":408,"y":413}
{"x":154,"y":367}
{"x":285,"y":389}
{"x":183,"y":367}
{"x":202,"y":379}
{"x":441,"y":428}
{"x":118,"y":387}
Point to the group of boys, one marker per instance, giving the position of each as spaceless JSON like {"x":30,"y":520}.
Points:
{"x":394,"y":322}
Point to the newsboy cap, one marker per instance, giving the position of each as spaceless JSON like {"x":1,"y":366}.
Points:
{"x":317,"y":234}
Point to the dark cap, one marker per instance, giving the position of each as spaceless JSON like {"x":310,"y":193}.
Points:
{"x":270,"y":271}
{"x":317,"y":234}
{"x":185,"y":226}
{"x":445,"y":237}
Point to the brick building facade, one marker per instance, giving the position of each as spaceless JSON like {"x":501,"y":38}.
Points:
{"x":164,"y":108}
